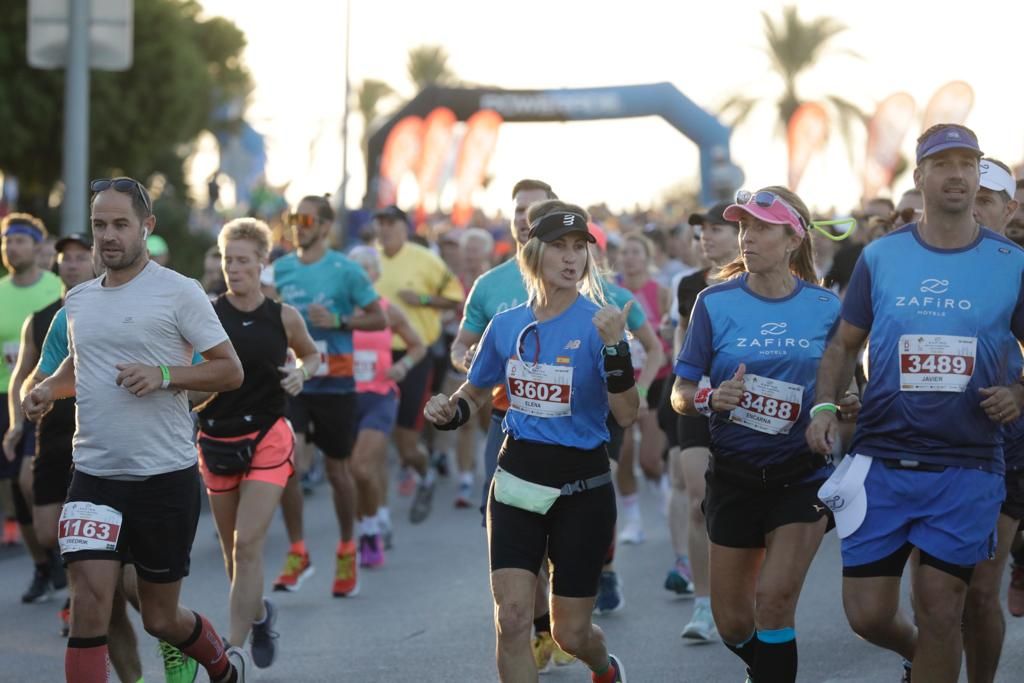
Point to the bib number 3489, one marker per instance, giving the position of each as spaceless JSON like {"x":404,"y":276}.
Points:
{"x":936,"y":362}
{"x":87,"y":526}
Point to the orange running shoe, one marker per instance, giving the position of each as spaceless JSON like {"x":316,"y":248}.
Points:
{"x":12,"y":533}
{"x":346,"y":580}
{"x":297,"y":568}
{"x":1015,"y":595}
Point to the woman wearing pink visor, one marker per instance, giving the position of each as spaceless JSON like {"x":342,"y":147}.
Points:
{"x":758,"y":336}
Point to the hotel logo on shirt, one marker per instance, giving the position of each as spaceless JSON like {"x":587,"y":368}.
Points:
{"x":934,"y":306}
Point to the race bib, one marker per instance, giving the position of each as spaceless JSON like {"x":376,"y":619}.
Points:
{"x":936,"y":362}
{"x":87,"y":526}
{"x":321,"y":346}
{"x":10,"y":355}
{"x":768,"y":405}
{"x":539,"y":390}
{"x":366,"y":365}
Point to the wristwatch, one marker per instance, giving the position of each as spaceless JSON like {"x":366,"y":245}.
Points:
{"x":620,"y":349}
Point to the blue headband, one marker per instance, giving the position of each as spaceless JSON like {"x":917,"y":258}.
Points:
{"x":24,"y":229}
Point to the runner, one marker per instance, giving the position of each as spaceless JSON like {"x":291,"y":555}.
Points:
{"x":377,"y":379}
{"x":25,"y":289}
{"x":52,"y":468}
{"x":635,"y":265}
{"x":246,"y":446}
{"x":498,"y":290}
{"x":984,"y":625}
{"x":51,"y":464}
{"x":687,"y":465}
{"x":327,"y":288}
{"x":764,"y":520}
{"x":550,"y":493}
{"x":418,"y":282}
{"x":926,"y":464}
{"x":134,"y":494}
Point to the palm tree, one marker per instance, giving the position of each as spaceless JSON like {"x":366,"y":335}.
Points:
{"x":369,"y":96}
{"x":794,"y":46}
{"x":428,"y":65}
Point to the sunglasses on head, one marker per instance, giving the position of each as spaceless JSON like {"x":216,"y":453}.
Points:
{"x":766,"y":199}
{"x":126,"y":185}
{"x":302,"y":220}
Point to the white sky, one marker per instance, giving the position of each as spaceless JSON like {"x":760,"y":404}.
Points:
{"x":709,"y":50}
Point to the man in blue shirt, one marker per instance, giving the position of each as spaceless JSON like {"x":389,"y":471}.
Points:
{"x":941,"y":301}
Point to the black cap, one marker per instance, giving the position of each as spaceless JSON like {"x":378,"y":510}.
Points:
{"x":713,"y":216}
{"x":391,"y":213}
{"x":81,"y":238}
{"x":550,"y":227}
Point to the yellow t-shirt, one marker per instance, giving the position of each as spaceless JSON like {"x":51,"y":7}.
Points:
{"x":417,"y":269}
{"x":16,"y":304}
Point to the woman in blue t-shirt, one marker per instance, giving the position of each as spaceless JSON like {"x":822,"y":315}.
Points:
{"x":563,"y":359}
{"x":759,"y":336}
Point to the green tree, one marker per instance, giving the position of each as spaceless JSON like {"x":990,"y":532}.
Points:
{"x":428,"y":65}
{"x":793,"y":47}
{"x":186,"y":72}
{"x":370,"y":94}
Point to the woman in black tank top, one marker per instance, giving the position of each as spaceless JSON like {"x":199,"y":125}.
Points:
{"x":246,"y":445}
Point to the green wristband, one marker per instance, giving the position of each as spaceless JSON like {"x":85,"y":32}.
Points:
{"x":642,"y":391}
{"x":424,"y":299}
{"x":829,"y":407}
{"x":165,"y":373}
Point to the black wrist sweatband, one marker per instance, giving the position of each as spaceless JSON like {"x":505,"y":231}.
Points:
{"x":461,"y":417}
{"x":619,"y":371}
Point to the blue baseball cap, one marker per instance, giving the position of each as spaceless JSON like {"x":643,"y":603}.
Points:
{"x":951,"y":136}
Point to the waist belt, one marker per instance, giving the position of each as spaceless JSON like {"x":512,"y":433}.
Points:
{"x":581,"y":485}
{"x":769,"y":476}
{"x":912,"y":465}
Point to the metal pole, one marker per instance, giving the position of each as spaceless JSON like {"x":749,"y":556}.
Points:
{"x":74,"y":217}
{"x":343,"y":207}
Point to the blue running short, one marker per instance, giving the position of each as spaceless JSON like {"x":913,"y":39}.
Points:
{"x":376,"y":411}
{"x":950,"y":515}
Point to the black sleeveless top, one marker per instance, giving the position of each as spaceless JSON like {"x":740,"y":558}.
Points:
{"x":57,"y":426}
{"x":261,"y":343}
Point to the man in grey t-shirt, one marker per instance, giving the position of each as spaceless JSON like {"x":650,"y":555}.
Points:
{"x":135,"y":492}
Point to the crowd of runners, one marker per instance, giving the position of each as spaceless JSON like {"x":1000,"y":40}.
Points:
{"x":770,"y":374}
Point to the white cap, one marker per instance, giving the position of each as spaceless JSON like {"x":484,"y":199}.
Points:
{"x":996,"y":178}
{"x":844,"y":493}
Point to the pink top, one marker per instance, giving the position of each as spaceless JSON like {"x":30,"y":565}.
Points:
{"x":648,"y":298}
{"x":373,"y":359}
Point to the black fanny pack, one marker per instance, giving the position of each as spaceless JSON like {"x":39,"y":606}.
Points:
{"x":768,"y":477}
{"x":230,"y":457}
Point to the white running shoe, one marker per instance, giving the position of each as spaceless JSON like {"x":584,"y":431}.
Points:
{"x":633,"y":532}
{"x":702,"y":625}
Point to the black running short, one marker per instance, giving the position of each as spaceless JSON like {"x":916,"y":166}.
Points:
{"x":414,"y":390}
{"x":159,"y":516}
{"x":576,"y":532}
{"x":332,"y":418}
{"x":693,"y":432}
{"x":741,"y":517}
{"x":1013,"y":506}
{"x":51,"y":469}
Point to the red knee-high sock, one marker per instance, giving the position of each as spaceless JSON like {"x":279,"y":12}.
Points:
{"x":206,"y":647}
{"x":85,"y":660}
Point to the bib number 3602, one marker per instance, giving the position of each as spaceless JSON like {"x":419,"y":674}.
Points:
{"x":87,"y":526}
{"x":539,"y":390}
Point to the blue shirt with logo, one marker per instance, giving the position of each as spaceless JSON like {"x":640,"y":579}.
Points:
{"x":903,"y":290}
{"x":781,"y":339}
{"x":567,"y":340}
{"x":339,"y":284}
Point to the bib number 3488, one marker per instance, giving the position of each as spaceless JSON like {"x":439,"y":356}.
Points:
{"x":87,"y":526}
